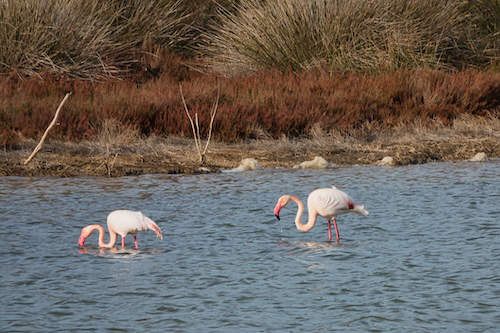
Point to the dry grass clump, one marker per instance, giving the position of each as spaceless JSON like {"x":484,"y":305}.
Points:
{"x":111,"y":138}
{"x":415,"y":132}
{"x":114,"y":134}
{"x":84,"y":39}
{"x":468,"y":125}
{"x":346,"y":35}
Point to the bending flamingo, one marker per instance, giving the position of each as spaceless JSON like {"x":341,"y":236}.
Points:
{"x":326,"y":202}
{"x":121,"y":222}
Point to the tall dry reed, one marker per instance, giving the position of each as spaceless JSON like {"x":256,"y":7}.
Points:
{"x":84,"y":39}
{"x":360,"y":35}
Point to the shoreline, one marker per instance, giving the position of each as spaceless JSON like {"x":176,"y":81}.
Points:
{"x":178,"y":156}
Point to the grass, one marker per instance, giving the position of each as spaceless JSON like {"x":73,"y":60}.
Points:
{"x":354,"y":35}
{"x":84,"y":39}
{"x":102,"y":39}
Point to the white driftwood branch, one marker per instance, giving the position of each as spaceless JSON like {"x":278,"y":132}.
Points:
{"x":195,"y":126}
{"x":214,"y":111}
{"x":53,"y":122}
{"x":197,"y":130}
{"x":192,"y":124}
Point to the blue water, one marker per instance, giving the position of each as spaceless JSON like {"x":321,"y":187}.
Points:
{"x":426,"y":259}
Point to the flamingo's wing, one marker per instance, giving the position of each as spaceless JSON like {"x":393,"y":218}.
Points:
{"x":329,"y":202}
{"x":125,"y":222}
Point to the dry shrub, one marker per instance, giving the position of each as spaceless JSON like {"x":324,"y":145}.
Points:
{"x":160,"y":62}
{"x":9,"y":139}
{"x":472,"y":91}
{"x":324,"y":139}
{"x":469,"y":125}
{"x":112,"y":133}
{"x":255,"y":131}
{"x":112,"y":137}
{"x":267,"y":105}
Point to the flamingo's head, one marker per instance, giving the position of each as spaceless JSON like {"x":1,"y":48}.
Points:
{"x":282,"y":202}
{"x":86,"y":231}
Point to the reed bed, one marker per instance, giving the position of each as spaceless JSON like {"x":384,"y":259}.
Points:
{"x":354,"y":35}
{"x":101,"y":39}
{"x":89,"y":39}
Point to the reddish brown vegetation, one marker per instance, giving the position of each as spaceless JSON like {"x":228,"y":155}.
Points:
{"x":269,"y":103}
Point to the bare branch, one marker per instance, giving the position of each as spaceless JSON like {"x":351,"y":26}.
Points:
{"x":216,"y":104}
{"x":195,"y":125}
{"x":198,"y":148}
{"x":202,"y":155}
{"x":52,"y":123}
{"x":197,"y":129}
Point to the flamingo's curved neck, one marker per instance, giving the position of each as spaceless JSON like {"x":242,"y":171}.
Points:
{"x":112,"y":236}
{"x":298,"y":218}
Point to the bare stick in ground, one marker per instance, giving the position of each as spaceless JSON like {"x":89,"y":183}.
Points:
{"x":195,"y":126}
{"x":52,"y":123}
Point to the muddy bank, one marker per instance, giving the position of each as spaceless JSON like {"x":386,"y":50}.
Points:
{"x":156,"y":156}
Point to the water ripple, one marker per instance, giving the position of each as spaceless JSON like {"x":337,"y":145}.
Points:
{"x":424,"y":260}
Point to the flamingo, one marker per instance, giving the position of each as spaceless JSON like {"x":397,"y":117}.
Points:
{"x":121,"y":222}
{"x":326,"y":202}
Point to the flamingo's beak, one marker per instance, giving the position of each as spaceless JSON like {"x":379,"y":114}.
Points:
{"x":81,"y":241}
{"x":277,"y":211}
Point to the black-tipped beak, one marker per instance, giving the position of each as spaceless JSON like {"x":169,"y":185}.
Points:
{"x":277,"y":216}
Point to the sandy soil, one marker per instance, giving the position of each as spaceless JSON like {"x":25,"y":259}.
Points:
{"x":173,"y":156}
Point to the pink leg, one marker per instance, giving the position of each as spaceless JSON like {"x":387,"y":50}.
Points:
{"x":135,"y":242}
{"x":337,"y":235}
{"x":329,"y":231}
{"x":123,"y":242}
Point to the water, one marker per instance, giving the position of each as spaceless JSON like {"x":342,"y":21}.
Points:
{"x":424,"y":260}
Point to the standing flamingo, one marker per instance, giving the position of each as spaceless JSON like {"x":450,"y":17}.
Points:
{"x":121,"y":222}
{"x":326,"y":202}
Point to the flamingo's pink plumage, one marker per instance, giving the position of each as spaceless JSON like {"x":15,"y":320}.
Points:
{"x":325,"y":202}
{"x":121,"y":222}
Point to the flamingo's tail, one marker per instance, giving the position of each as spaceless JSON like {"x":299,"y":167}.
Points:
{"x":360,"y":209}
